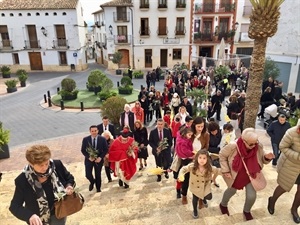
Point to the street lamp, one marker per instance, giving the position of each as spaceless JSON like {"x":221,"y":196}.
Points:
{"x":110,"y":29}
{"x":44,"y":31}
{"x":236,"y":25}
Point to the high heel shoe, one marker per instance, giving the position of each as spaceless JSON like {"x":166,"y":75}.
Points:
{"x":248,"y":215}
{"x":296,"y":218}
{"x":270,"y":208}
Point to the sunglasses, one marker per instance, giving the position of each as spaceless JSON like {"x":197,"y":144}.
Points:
{"x":250,"y":145}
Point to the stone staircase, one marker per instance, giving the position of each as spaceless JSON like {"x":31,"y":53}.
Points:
{"x":148,"y":202}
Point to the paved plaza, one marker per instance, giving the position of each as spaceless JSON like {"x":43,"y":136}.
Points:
{"x":146,"y":201}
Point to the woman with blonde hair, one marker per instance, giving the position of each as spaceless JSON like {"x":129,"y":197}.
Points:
{"x":36,"y":186}
{"x":140,"y":135}
{"x":109,"y":139}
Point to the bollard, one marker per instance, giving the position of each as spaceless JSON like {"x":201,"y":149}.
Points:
{"x":142,"y":87}
{"x":45,"y":98}
{"x":49,"y":102}
{"x":58,"y":90}
{"x":81,"y":106}
{"x":62,"y":105}
{"x":118,"y":84}
{"x":48,"y":93}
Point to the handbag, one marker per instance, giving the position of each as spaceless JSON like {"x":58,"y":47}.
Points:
{"x":68,"y":205}
{"x":259,"y":182}
{"x":175,"y":163}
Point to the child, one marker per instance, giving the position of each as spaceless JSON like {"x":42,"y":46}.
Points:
{"x":184,"y":151}
{"x":201,"y":173}
{"x":228,"y":135}
{"x":167,"y":118}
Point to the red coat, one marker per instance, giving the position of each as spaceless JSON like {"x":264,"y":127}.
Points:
{"x":118,"y":153}
{"x":175,"y":128}
{"x":167,"y":119}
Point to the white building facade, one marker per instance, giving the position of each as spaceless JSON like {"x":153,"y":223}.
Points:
{"x":48,"y":35}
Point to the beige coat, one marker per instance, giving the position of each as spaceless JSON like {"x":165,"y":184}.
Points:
{"x":226,"y":156}
{"x":198,"y":184}
{"x":288,"y":165}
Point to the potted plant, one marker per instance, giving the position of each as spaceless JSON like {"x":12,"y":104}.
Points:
{"x":125,"y":72}
{"x":112,"y":108}
{"x":94,"y":81}
{"x":4,"y":140}
{"x":126,"y":86}
{"x":138,"y":74}
{"x":117,"y":57}
{"x":22,"y":76}
{"x":106,"y":89}
{"x":11,"y":85}
{"x":197,"y":36}
{"x":5,"y":70}
{"x":221,"y":72}
{"x":231,"y":34}
{"x":68,"y":91}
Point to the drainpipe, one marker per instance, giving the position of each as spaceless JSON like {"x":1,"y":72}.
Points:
{"x":132,"y":39}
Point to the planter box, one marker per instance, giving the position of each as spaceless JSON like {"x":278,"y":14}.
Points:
{"x":11,"y":90}
{"x":142,"y":77}
{"x":6,"y":75}
{"x":118,"y":72}
{"x":4,"y":154}
{"x":125,"y":92}
{"x":69,"y":97}
{"x":23,"y":83}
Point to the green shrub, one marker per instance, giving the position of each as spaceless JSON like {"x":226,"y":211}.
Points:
{"x":126,"y":81}
{"x":22,"y":77}
{"x":126,"y":88}
{"x":222,"y":71}
{"x":95,"y":77}
{"x":138,"y":74}
{"x":271,"y":69}
{"x":20,"y":72}
{"x":68,"y":84}
{"x":4,"y":136}
{"x":68,"y":95}
{"x":5,"y":69}
{"x":106,"y":84}
{"x":11,"y":83}
{"x":116,"y":58}
{"x":104,"y":95}
{"x":112,"y":108}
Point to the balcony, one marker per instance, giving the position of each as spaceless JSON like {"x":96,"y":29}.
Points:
{"x":162,"y":31}
{"x":214,"y":8}
{"x":180,"y":5}
{"x":180,"y":30}
{"x":60,"y":44}
{"x":210,"y":37}
{"x":162,"y":6}
{"x":122,"y":39}
{"x":144,"y":6}
{"x":6,"y":45}
{"x":121,"y":17}
{"x":247,"y":10}
{"x":30,"y":44}
{"x":145,"y":31}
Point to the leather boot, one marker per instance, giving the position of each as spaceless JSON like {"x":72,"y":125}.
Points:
{"x":201,"y":205}
{"x":184,"y":200}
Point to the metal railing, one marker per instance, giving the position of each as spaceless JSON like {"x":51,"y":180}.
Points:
{"x":121,"y":17}
{"x":144,"y":5}
{"x":145,"y":31}
{"x":60,"y":43}
{"x":180,"y":30}
{"x":32,"y":44}
{"x":214,"y":8}
{"x":5,"y":44}
{"x":122,"y":39}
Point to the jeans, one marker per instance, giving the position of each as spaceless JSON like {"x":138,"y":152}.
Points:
{"x":250,"y":197}
{"x":276,"y":152}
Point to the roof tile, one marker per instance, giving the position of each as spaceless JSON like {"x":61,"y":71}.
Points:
{"x":38,"y":4}
{"x":117,"y":3}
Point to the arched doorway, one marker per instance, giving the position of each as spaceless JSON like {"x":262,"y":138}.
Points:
{"x":125,"y":60}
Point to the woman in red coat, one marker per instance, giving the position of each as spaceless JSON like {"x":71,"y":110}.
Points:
{"x":123,"y":157}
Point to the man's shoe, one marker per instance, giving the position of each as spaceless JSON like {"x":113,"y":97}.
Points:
{"x":120,"y":183}
{"x":109,"y":180}
{"x":184,"y":200}
{"x":91,"y":187}
{"x":166,"y":175}
{"x":98,"y":190}
{"x":270,"y":206}
{"x":224,"y":209}
{"x":248,"y":215}
{"x":205,"y":204}
{"x":195,"y":215}
{"x":158,"y":178}
{"x":126,"y":185}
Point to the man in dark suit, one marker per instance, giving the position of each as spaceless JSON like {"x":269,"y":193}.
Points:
{"x":162,"y":159}
{"x":105,"y":125}
{"x":99,"y":143}
{"x":127,"y":118}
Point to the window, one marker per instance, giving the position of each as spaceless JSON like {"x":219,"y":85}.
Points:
{"x":162,"y":26}
{"x":180,"y":28}
{"x":176,"y":54}
{"x":4,"y":36}
{"x":122,"y":34}
{"x":54,"y":14}
{"x":11,"y":14}
{"x":122,"y":14}
{"x":28,"y":14}
{"x":20,"y":14}
{"x":46,"y":14}
{"x":15,"y":58}
{"x":144,"y":4}
{"x":144,"y":26}
{"x":197,"y":23}
{"x":62,"y":58}
{"x":64,"y":13}
{"x":37,"y":14}
{"x":162,"y":3}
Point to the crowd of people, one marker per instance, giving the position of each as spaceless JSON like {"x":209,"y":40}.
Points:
{"x":194,"y":148}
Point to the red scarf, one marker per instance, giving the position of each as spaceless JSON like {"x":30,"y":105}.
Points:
{"x":249,"y":156}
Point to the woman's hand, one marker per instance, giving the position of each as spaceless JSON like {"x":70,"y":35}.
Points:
{"x":142,"y":145}
{"x":227,"y":175}
{"x":269,"y":156}
{"x":35,"y":220}
{"x":69,"y":190}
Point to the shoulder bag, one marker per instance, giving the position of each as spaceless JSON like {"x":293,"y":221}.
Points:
{"x":259,"y":182}
{"x":68,"y":205}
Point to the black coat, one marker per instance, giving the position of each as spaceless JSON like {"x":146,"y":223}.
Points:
{"x":214,"y":141}
{"x":154,"y":139}
{"x":141,"y":136}
{"x":101,"y":146}
{"x":111,"y":129}
{"x":24,"y":202}
{"x":130,"y":120}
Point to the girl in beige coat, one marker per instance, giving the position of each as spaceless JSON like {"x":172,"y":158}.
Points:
{"x":201,"y":173}
{"x":288,"y":168}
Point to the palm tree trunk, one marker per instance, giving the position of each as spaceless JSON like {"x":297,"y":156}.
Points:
{"x":255,"y":81}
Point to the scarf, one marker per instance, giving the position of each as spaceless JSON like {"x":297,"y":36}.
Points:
{"x":250,"y":159}
{"x":32,"y":178}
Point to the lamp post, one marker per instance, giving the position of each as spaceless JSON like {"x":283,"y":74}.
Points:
{"x":44,"y":31}
{"x":110,"y":29}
